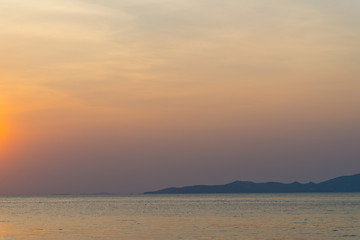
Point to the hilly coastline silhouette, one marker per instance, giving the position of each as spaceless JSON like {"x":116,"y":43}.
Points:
{"x":339,"y":184}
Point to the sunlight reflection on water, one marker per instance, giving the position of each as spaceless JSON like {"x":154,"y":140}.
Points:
{"x":219,"y":216}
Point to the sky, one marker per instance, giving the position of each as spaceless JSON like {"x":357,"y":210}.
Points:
{"x":127,"y":96}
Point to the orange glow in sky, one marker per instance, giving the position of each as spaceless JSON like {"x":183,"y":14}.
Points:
{"x":4,"y":128}
{"x":95,"y":94}
{"x":2,"y":125}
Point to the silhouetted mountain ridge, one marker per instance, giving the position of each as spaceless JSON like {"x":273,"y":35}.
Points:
{"x":339,"y":184}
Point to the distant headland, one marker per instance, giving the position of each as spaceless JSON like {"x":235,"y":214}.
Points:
{"x":339,"y":184}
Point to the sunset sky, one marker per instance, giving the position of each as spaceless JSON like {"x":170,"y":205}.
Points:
{"x":126,"y":96}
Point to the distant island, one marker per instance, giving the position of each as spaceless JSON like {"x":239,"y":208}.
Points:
{"x":339,"y":184}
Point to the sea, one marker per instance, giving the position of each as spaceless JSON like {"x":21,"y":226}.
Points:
{"x":166,"y":217}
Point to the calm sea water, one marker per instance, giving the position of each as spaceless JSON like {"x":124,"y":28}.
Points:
{"x":220,"y":216}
